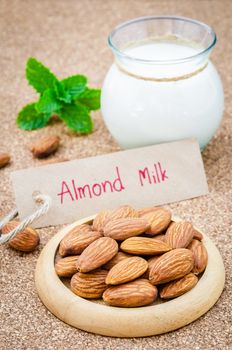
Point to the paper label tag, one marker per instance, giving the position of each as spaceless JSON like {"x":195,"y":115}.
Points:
{"x":141,"y":177}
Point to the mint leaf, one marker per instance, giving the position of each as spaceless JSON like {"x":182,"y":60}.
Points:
{"x":90,"y":98}
{"x":77,"y":118}
{"x":48,"y":103}
{"x":61,"y":93}
{"x":74,"y":85}
{"x":29,"y":119}
{"x":39,"y":76}
{"x":70,"y":98}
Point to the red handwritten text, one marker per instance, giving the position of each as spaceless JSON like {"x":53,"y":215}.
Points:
{"x":71,"y":190}
{"x":153,"y":175}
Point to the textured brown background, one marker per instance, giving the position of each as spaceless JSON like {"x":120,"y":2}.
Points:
{"x":70,"y":37}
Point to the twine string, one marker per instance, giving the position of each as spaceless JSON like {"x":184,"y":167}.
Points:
{"x":44,"y":203}
{"x":12,"y":214}
{"x":160,"y":80}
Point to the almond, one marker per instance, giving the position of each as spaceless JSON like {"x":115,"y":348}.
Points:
{"x":45,"y":146}
{"x":132,"y":294}
{"x":25,"y":241}
{"x":144,"y":246}
{"x":158,"y":218}
{"x":171,"y":266}
{"x":127,"y":270}
{"x":89,"y":285}
{"x":176,"y":288}
{"x":197,"y":235}
{"x":66,"y":267}
{"x":120,"y":256}
{"x":200,"y":256}
{"x":124,"y":228}
{"x":179,"y":234}
{"x":77,"y":240}
{"x":125,"y":211}
{"x":99,"y":221}
{"x":4,"y":159}
{"x":97,"y":254}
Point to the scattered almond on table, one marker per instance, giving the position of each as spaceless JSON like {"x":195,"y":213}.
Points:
{"x":24,"y":241}
{"x":129,"y":257}
{"x":45,"y":146}
{"x":4,"y":159}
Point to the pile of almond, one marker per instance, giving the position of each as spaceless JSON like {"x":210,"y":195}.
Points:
{"x":130,"y":257}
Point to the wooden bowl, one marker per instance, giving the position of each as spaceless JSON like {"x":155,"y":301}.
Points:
{"x":144,"y":321}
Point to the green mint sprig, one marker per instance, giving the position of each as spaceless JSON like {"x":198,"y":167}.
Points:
{"x":69,"y":98}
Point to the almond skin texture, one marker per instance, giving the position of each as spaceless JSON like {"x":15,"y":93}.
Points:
{"x":143,"y":211}
{"x":120,"y":256}
{"x":99,"y":221}
{"x":179,"y":234}
{"x":127,"y":270}
{"x":124,"y":228}
{"x":200,"y":256}
{"x":125,"y":211}
{"x":4,"y":159}
{"x":132,"y":294}
{"x":176,"y":288}
{"x":45,"y":146}
{"x":171,"y":266}
{"x":144,"y":246}
{"x":66,"y":267}
{"x":97,"y":254}
{"x":25,"y":241}
{"x":158,"y":218}
{"x":89,"y":285}
{"x":77,"y":240}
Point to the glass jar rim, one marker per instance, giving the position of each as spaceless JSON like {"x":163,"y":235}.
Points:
{"x":166,"y":61}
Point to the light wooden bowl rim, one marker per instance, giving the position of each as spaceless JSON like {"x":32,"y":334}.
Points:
{"x":131,"y":322}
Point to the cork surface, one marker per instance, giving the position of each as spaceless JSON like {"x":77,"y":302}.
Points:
{"x":70,"y":37}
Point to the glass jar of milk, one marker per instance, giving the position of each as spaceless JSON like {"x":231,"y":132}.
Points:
{"x":162,"y":86}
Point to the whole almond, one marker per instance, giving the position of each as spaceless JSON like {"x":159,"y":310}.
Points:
{"x":132,"y":294}
{"x":4,"y":159}
{"x":97,"y":254}
{"x":120,"y":256}
{"x":125,"y":211}
{"x":158,"y":218}
{"x":176,"y":288}
{"x":25,"y":241}
{"x":144,"y":246}
{"x":197,"y":235}
{"x":124,"y":228}
{"x":89,"y":285}
{"x":171,"y":266}
{"x":45,"y":146}
{"x":200,"y":256}
{"x":99,"y":221}
{"x":77,"y":240}
{"x":127,"y":270}
{"x":179,"y":234}
{"x":66,"y":267}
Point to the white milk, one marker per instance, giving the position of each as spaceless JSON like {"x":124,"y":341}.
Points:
{"x":141,"y":112}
